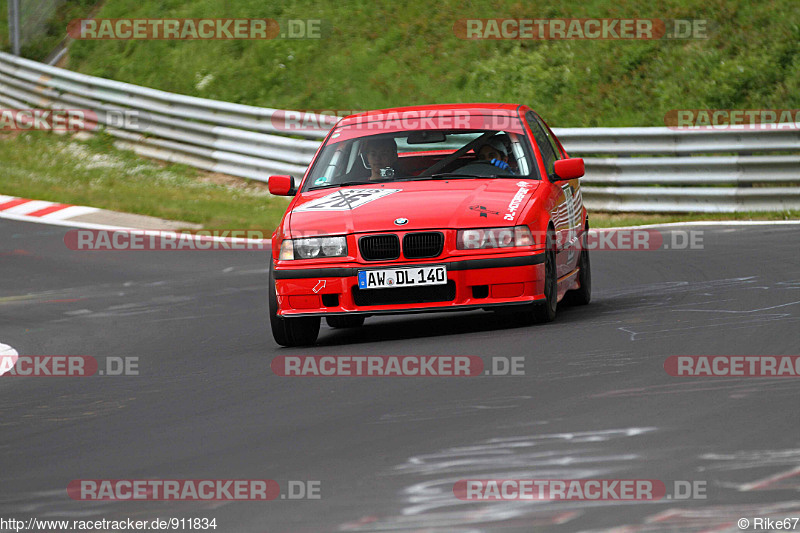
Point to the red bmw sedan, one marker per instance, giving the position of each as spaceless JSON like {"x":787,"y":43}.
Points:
{"x":429,"y":209}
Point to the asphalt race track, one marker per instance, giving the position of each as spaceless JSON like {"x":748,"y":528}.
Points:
{"x":595,"y":400}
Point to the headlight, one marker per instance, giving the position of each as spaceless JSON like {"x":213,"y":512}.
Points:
{"x":478,"y":239}
{"x":333,"y":246}
{"x":313,"y":248}
{"x":307,"y":248}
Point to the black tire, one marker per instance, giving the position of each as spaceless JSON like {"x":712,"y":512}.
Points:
{"x":541,"y":311}
{"x":345,"y":321}
{"x":546,"y":311}
{"x":300,"y":331}
{"x":583,"y":294}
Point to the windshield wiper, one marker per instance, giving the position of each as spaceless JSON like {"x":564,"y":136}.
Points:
{"x":413,"y":178}
{"x":445,"y":175}
{"x":343,"y":184}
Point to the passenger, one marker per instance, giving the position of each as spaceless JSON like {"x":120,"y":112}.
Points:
{"x":380,"y":157}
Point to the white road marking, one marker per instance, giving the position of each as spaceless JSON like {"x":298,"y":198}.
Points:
{"x":740,"y":312}
{"x":569,"y":455}
{"x":28,"y":207}
{"x":766,"y":482}
{"x":78,"y":312}
{"x":8,"y":358}
{"x":70,"y":212}
{"x":65,"y":223}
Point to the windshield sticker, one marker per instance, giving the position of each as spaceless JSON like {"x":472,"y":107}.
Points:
{"x":345,"y":200}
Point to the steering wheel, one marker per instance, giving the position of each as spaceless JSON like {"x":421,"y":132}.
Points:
{"x":482,"y":168}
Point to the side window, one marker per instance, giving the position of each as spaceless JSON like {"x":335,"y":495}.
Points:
{"x":550,"y":138}
{"x":542,"y":142}
{"x":518,"y":154}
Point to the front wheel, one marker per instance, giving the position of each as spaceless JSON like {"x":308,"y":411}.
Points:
{"x":546,"y":310}
{"x":300,"y":331}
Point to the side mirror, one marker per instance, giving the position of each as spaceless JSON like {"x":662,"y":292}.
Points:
{"x":282,"y":185}
{"x":568,"y":169}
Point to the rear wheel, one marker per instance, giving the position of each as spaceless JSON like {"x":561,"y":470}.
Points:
{"x":583,"y":294}
{"x":300,"y":331}
{"x":345,"y":321}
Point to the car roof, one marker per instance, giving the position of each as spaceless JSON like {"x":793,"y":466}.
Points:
{"x":434,"y":110}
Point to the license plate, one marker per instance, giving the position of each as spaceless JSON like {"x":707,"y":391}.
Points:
{"x":390,"y":278}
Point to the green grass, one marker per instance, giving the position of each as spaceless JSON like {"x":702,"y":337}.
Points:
{"x":389,"y":54}
{"x":45,"y":166}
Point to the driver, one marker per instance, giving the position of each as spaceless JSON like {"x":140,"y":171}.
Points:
{"x":494,"y":151}
{"x":381,"y":158}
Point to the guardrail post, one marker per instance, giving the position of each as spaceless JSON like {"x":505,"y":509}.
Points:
{"x":13,"y":26}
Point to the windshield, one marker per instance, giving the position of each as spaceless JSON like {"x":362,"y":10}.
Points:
{"x":354,"y":157}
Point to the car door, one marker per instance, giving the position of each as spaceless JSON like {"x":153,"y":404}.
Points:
{"x":562,"y":212}
{"x":574,"y":200}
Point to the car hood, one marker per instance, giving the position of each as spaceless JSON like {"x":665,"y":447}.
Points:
{"x":453,"y":203}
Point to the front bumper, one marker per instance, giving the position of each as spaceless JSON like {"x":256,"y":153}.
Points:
{"x":474,"y":283}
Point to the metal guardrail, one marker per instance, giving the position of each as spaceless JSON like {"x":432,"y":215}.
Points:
{"x":245,"y":141}
{"x":216,"y":136}
{"x":708,"y":184}
{"x":666,"y":141}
